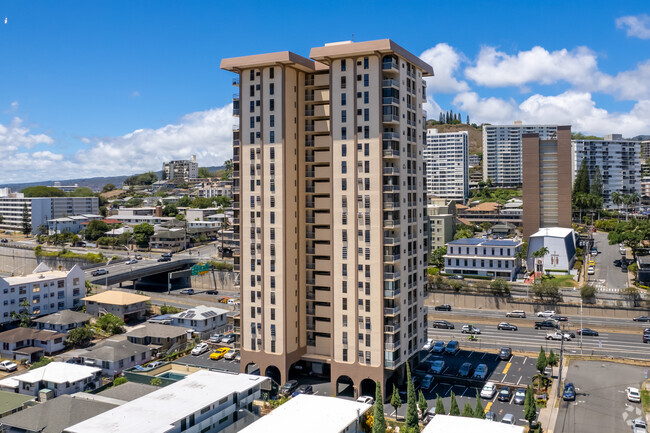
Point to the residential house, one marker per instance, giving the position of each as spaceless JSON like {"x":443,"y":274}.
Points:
{"x":30,"y":344}
{"x":159,"y":337}
{"x":115,"y":355}
{"x":201,"y":318}
{"x":126,"y":306}
{"x":62,"y":321}
{"x":169,"y":239}
{"x":58,"y":377}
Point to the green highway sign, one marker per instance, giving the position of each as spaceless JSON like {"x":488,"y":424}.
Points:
{"x":200,"y":269}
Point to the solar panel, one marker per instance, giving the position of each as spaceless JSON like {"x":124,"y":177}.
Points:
{"x":208,"y":314}
{"x":189,"y":315}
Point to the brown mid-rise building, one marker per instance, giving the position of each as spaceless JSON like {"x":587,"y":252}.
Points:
{"x":546,"y":191}
{"x":330,"y":202}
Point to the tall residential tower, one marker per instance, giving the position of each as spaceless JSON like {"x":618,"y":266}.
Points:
{"x":330,"y":200}
{"x":447,"y":160}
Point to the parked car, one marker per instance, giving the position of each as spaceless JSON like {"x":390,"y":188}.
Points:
{"x":508,"y":419}
{"x":505,"y":353}
{"x":480,"y":372}
{"x":618,"y":263}
{"x":231,"y":355}
{"x":427,"y":382}
{"x":442,"y":324}
{"x":642,"y":319}
{"x":138,"y":257}
{"x":560,"y":318}
{"x":165,"y":259}
{"x":591,"y":270}
{"x":517,"y":313}
{"x":428,"y":345}
{"x":547,"y":313}
{"x":187,"y":292}
{"x":490,"y":416}
{"x":456,"y":277}
{"x":216,"y":338}
{"x":504,"y":394}
{"x":219,"y":353}
{"x":8,"y":366}
{"x":304,"y":389}
{"x":624,"y":268}
{"x":470,"y":329}
{"x":594,"y":251}
{"x":154,"y":364}
{"x":366,"y":399}
{"x":289,"y":387}
{"x":633,"y":394}
{"x":452,"y":347}
{"x":437,"y":367}
{"x":639,"y":426}
{"x":587,"y":332}
{"x":428,"y":416}
{"x":4,"y":240}
{"x":200,"y":349}
{"x":520,"y":396}
{"x":622,"y":250}
{"x":443,"y":307}
{"x":505,"y":326}
{"x":438,"y":347}
{"x":569,"y":393}
{"x":228,"y":339}
{"x":488,"y":391}
{"x":465,"y":369}
{"x":98,"y":272}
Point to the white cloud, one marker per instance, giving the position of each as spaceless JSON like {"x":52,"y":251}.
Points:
{"x":486,"y":110}
{"x":635,"y":25}
{"x":630,"y":85}
{"x":135,"y":94}
{"x":14,"y":136}
{"x":445,"y":62}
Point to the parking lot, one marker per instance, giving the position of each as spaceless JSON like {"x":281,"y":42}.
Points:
{"x":204,"y":360}
{"x":601,"y":404}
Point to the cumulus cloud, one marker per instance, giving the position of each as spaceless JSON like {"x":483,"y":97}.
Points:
{"x":637,"y":26}
{"x":15,"y":135}
{"x":446,"y":62}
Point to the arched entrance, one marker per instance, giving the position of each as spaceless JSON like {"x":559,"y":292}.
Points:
{"x":298,"y":369}
{"x":345,"y":386}
{"x":252,"y":368}
{"x":274,"y":373}
{"x":368,"y":387}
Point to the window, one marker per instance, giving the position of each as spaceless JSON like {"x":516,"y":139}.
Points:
{"x":343,"y":99}
{"x":366,"y":114}
{"x":344,"y":150}
{"x":344,"y":186}
{"x":272,"y":215}
{"x":343,"y":83}
{"x":344,"y":133}
{"x":344,"y":269}
{"x":366,"y":97}
{"x":344,"y":167}
{"x":272,"y":120}
{"x":272,"y":298}
{"x":252,"y":91}
{"x":344,"y":116}
{"x":365,"y":63}
{"x":272,"y":136}
{"x":345,"y":303}
{"x":366,"y":149}
{"x":344,"y":286}
{"x":252,"y":106}
{"x":366,"y":132}
{"x":271,"y":89}
{"x":272,"y":73}
{"x":345,"y":354}
{"x":366,"y":80}
{"x":272,"y":151}
{"x":271,"y":104}
{"x":343,"y":65}
{"x":252,"y":74}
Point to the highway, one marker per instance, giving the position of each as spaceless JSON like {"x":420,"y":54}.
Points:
{"x":617,"y":341}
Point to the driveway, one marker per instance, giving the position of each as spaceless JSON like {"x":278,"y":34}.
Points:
{"x":608,"y":278}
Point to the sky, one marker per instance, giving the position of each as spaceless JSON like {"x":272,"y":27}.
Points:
{"x":101,"y":88}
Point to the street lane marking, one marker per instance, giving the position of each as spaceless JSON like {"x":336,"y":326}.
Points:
{"x":505,"y":370}
{"x":520,"y":377}
{"x":488,"y":407}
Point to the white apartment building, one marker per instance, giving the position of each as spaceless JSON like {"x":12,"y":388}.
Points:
{"x":59,"y":377}
{"x":617,"y":159}
{"x":40,"y":210}
{"x":45,"y":290}
{"x":447,"y":159}
{"x":181,"y":170}
{"x":485,"y":257}
{"x":221,"y":188}
{"x":205,"y":401}
{"x":502,"y":162}
{"x":70,"y":224}
{"x":329,"y":198}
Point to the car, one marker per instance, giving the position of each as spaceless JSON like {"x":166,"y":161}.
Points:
{"x":428,"y":345}
{"x":366,"y":399}
{"x":4,"y":240}
{"x":211,"y":292}
{"x":98,"y":272}
{"x":131,"y":262}
{"x":443,"y":307}
{"x":238,"y":356}
{"x":508,"y":419}
{"x":560,"y":318}
{"x":442,"y":324}
{"x":470,"y":329}
{"x":517,"y":313}
{"x":591,"y":263}
{"x":504,"y":394}
{"x":646,"y":337}
{"x":403,"y":392}
{"x":633,"y":394}
{"x":187,"y":292}
{"x":618,"y":263}
{"x":154,"y":364}
{"x":639,"y":426}
{"x":428,"y":416}
{"x":231,"y":355}
{"x":490,"y":416}
{"x":547,"y":324}
{"x":505,"y":326}
{"x":138,"y":257}
{"x":557,"y":335}
{"x":594,"y":251}
{"x":641,"y":319}
{"x":200,"y":349}
{"x":166,"y":255}
{"x":216,"y":338}
{"x":569,"y":393}
{"x":505,"y":353}
{"x":624,"y":268}
{"x":165,"y":259}
{"x":452,"y":347}
{"x":547,"y":313}
{"x":438,"y":347}
{"x":304,"y":389}
{"x":228,"y":339}
{"x":465,"y":369}
{"x":289,"y":387}
{"x":427,"y":382}
{"x":219,"y":353}
{"x":488,"y":391}
{"x":437,"y":367}
{"x":456,"y":277}
{"x":8,"y":366}
{"x":520,"y":396}
{"x":480,"y":372}
{"x":622,"y":251}
{"x":591,"y":270}
{"x":587,"y":332}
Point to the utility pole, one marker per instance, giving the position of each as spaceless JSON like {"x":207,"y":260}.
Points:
{"x":559,"y":373}
{"x":580,"y":326}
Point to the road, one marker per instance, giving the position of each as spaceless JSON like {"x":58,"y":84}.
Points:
{"x":624,"y":344}
{"x":608,"y":278}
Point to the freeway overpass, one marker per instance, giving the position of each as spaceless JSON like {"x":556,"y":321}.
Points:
{"x":147,"y":269}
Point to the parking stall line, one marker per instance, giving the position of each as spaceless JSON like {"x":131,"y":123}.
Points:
{"x":507,"y":367}
{"x":488,"y":407}
{"x":463,"y":394}
{"x":520,"y":377}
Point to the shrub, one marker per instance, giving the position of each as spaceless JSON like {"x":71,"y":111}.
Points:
{"x":119,"y":381}
{"x":79,"y":337}
{"x":111,"y":324}
{"x":500,"y":287}
{"x":42,"y":363}
{"x":587,"y":292}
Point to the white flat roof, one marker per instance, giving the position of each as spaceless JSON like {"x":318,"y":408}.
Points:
{"x":35,"y":278}
{"x":58,"y":372}
{"x":554,"y":232}
{"x":313,"y":413}
{"x":158,"y":411}
{"x":455,"y":424}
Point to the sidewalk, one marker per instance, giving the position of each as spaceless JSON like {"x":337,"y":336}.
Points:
{"x":548,"y":415}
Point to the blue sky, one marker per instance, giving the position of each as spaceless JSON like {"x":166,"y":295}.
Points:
{"x":116,"y":87}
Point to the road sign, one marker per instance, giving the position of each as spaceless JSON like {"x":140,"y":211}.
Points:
{"x":200,"y":269}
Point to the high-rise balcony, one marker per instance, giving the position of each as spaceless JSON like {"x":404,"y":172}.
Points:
{"x":391,"y":171}
{"x":389,"y":66}
{"x":390,"y":188}
{"x":390,"y":135}
{"x":391,"y":118}
{"x":391,"y":294}
{"x":389,"y":82}
{"x":391,"y":329}
{"x":392,"y":346}
{"x":391,"y":311}
{"x":391,"y":275}
{"x":235,"y":81}
{"x":391,"y":223}
{"x":391,"y":258}
{"x":391,"y":241}
{"x":390,"y":100}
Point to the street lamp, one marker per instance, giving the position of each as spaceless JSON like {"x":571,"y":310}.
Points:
{"x":106,"y":280}
{"x":581,"y":326}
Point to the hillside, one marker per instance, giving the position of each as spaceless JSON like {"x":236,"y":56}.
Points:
{"x":475,"y":134}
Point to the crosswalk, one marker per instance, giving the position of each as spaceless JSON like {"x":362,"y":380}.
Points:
{"x":601,"y":286}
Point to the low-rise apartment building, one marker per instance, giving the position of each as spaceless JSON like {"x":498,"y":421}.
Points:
{"x":201,"y":318}
{"x":124,"y":305}
{"x":442,"y":222}
{"x":70,"y":224}
{"x":30,"y":344}
{"x":114,"y":356}
{"x":489,"y":212}
{"x":46,"y":291}
{"x":58,"y":377}
{"x":484,"y":257}
{"x":159,"y":337}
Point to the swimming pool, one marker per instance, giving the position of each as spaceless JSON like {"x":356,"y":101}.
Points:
{"x":172,"y":376}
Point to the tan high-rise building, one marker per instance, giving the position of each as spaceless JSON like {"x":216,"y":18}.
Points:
{"x":330,"y":200}
{"x":546,"y":189}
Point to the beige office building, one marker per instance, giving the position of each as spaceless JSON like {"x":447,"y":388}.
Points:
{"x":329,"y":198}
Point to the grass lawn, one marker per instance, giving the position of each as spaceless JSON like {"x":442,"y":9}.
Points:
{"x":645,"y":400}
{"x":563,"y":280}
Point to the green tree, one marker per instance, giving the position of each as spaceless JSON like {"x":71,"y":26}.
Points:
{"x":82,"y":192}
{"x":142,"y":233}
{"x":463,"y":234}
{"x":530,"y":408}
{"x":500,"y":287}
{"x":96,"y":229}
{"x":111,"y":324}
{"x":422,"y":404}
{"x":540,"y":254}
{"x":170,"y":210}
{"x":479,"y":412}
{"x":108,"y":187}
{"x":440,"y":406}
{"x":23,"y":316}
{"x":395,"y":400}
{"x":486,"y":226}
{"x":166,"y":309}
{"x":438,"y":257}
{"x":468,"y":412}
{"x":27,"y":220}
{"x":597,"y":183}
{"x":581,"y":182}
{"x":41,"y":363}
{"x":541,"y":361}
{"x":379,"y":422}
{"x":42,"y":191}
{"x":617,"y":200}
{"x":223,"y":201}
{"x":156,"y":381}
{"x":552,"y":359}
{"x":204,"y":172}
{"x":119,"y":381}
{"x":411,"y":405}
{"x":454,"y":409}
{"x":587,"y":292}
{"x":184,"y":201}
{"x":79,"y":337}
{"x":547,"y":290}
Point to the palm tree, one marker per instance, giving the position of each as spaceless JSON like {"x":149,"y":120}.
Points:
{"x":617,"y":199}
{"x":539,"y":254}
{"x":627,"y":199}
{"x":634,"y":198}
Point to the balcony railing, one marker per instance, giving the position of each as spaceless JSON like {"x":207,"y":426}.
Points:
{"x":391,"y":275}
{"x":389,"y":100}
{"x":391,"y":223}
{"x":391,"y":311}
{"x":389,"y":65}
{"x":235,"y":81}
{"x":391,"y":258}
{"x":391,"y":153}
{"x":391,"y":328}
{"x":389,"y":188}
{"x":391,"y":294}
{"x":389,"y":82}
{"x":391,"y":118}
{"x":392,"y":346}
{"x":391,"y":171}
{"x":391,"y":205}
{"x":390,"y":135}
{"x":391,"y":241}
